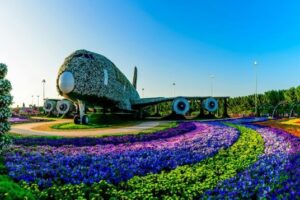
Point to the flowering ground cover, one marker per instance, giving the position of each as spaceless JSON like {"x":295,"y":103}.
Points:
{"x":22,"y":119}
{"x":15,"y":120}
{"x":231,"y":159}
{"x":275,"y":175}
{"x":187,"y":181}
{"x":290,"y":125}
{"x":46,"y":165}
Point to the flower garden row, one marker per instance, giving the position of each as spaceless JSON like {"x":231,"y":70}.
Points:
{"x":292,"y":126}
{"x":195,"y":160}
{"x":275,"y":175}
{"x":46,"y":165}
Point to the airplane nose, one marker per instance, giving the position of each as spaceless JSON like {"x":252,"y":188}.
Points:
{"x":66,"y":82}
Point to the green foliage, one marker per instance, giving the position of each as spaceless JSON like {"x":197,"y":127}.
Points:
{"x":5,"y":141}
{"x":17,"y":136}
{"x":3,"y":70}
{"x":99,"y":191}
{"x":266,"y":102}
{"x":3,"y":169}
{"x":290,"y":95}
{"x":184,"y":182}
{"x":5,"y":101}
{"x":5,"y":86}
{"x":160,"y":127}
{"x":163,"y":109}
{"x":10,"y":190}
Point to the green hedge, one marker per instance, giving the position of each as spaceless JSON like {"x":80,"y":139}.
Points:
{"x":9,"y":190}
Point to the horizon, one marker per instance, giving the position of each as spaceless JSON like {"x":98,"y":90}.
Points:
{"x":173,"y":42}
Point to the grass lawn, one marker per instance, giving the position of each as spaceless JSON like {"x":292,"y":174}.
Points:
{"x":16,"y":135}
{"x":71,"y":125}
{"x":160,"y":127}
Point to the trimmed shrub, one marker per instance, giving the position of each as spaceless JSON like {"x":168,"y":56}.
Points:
{"x":5,"y":102}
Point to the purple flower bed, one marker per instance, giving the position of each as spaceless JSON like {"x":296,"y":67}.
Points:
{"x":210,"y":141}
{"x":272,"y":177}
{"x":247,"y":120}
{"x":275,"y":175}
{"x":86,"y":141}
{"x":15,"y":120}
{"x":278,"y":141}
{"x":73,"y":164}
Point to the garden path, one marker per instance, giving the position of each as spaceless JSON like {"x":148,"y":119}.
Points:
{"x":31,"y":129}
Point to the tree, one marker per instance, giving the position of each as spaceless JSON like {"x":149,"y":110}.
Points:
{"x":266,"y":101}
{"x":5,"y":102}
{"x":297,"y":93}
{"x":290,"y":95}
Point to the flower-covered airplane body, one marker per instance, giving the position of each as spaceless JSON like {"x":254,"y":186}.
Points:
{"x":90,"y":78}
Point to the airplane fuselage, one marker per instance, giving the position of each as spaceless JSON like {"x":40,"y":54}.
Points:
{"x":92,"y":78}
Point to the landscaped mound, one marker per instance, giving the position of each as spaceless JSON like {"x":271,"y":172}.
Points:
{"x":209,"y":160}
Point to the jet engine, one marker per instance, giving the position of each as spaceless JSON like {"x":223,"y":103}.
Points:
{"x":180,"y":106}
{"x":210,"y":104}
{"x":49,"y":106}
{"x":64,"y":106}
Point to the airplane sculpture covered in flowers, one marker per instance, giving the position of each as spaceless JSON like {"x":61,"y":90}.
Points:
{"x":88,"y":78}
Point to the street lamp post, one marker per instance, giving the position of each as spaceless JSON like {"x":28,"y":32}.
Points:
{"x":255,"y":68}
{"x":44,"y":82}
{"x":31,"y":100}
{"x":174,"y":84}
{"x":38,"y":100}
{"x":143,"y":89}
{"x":212,"y":84}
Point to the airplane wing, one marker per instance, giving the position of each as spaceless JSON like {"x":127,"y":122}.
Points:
{"x":143,"y":102}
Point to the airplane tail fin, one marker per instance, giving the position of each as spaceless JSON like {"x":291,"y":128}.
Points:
{"x":134,"y":82}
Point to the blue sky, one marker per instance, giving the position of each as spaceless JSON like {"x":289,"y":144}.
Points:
{"x":169,"y":41}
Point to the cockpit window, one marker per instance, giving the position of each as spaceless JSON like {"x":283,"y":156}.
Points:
{"x":84,"y":55}
{"x":78,"y":55}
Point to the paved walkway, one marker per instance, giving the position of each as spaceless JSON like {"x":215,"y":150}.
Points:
{"x":34,"y":129}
